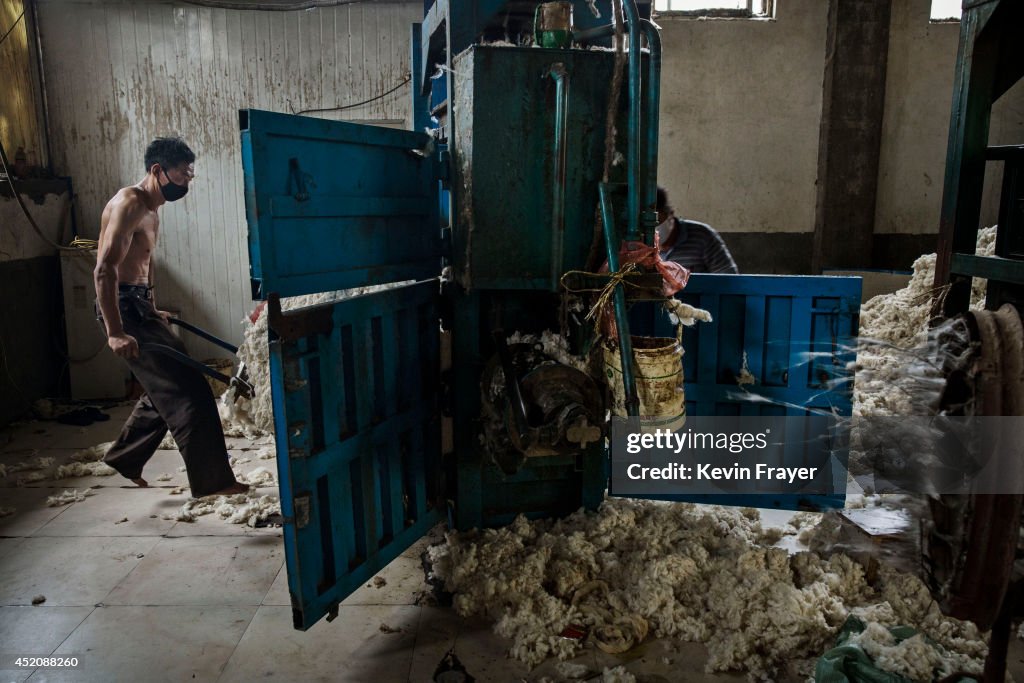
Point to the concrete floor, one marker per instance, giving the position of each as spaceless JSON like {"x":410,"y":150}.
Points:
{"x":153,"y":599}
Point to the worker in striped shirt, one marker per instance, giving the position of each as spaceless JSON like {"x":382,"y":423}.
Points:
{"x":695,"y":246}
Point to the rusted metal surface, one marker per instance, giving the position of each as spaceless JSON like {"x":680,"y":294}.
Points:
{"x":178,"y":68}
{"x":972,"y":541}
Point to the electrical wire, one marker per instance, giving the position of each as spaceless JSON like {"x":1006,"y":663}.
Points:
{"x":24,"y":209}
{"x":83,"y":243}
{"x":12,"y":26}
{"x":357,"y":104}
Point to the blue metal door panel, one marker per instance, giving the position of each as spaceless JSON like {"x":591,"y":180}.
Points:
{"x":334,"y":205}
{"x":799,"y":336}
{"x":354,"y":387}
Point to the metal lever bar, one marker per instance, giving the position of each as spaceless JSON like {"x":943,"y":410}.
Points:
{"x":204,"y":334}
{"x":245,"y":389}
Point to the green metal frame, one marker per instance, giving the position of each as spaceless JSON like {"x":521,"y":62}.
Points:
{"x":990,"y":59}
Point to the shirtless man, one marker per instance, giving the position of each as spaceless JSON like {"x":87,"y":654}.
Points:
{"x":176,"y":396}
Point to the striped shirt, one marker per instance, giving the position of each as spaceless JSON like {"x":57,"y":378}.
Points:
{"x":699,"y":249}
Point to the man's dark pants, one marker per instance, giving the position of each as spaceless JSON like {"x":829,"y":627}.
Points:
{"x":176,"y":397}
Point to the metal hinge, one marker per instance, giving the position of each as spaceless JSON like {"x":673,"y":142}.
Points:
{"x":301,"y":505}
{"x":444,"y":167}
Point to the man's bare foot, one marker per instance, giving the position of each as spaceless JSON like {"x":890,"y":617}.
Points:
{"x":140,"y":482}
{"x":237,"y":487}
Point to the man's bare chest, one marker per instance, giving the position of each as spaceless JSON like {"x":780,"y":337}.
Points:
{"x":145,"y":237}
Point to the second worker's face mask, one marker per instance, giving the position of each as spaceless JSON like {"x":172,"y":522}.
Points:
{"x":665,"y":229}
{"x":172,"y":191}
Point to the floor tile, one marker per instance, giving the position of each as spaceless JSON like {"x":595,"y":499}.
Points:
{"x":64,"y":456}
{"x":30,"y":511}
{"x":278,"y":595}
{"x":351,"y":648}
{"x":37,"y":630}
{"x":101,"y":514}
{"x":15,"y":676}
{"x":165,"y":462}
{"x":208,"y":570}
{"x":403,"y":585}
{"x":435,"y":636}
{"x":25,"y":436}
{"x":252,"y":445}
{"x":25,"y":478}
{"x":67,"y":571}
{"x":483,"y":653}
{"x":776,"y":518}
{"x":403,"y":582}
{"x":152,"y":644}
{"x":687,"y":662}
{"x":82,"y":437}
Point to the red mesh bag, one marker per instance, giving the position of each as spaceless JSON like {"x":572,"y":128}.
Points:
{"x":673,"y":276}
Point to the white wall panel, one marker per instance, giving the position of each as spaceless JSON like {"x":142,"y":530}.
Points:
{"x":121,"y":73}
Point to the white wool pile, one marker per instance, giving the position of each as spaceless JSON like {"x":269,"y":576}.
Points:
{"x":856,"y":501}
{"x":266,"y":453}
{"x":913,"y":657}
{"x":31,"y":478}
{"x":168,"y":442}
{"x":40,"y":462}
{"x":235,"y":416}
{"x":685,"y":314}
{"x":571,"y":671}
{"x":798,"y":525}
{"x":745,"y":376}
{"x":695,"y":573}
{"x":255,"y":417}
{"x":67,"y":497}
{"x":617,"y":675}
{"x":913,"y":605}
{"x":242,"y":508}
{"x":260,"y":476}
{"x":916,"y":657}
{"x":891,"y":325}
{"x":84,"y":469}
{"x":164,"y":477}
{"x":92,"y":453}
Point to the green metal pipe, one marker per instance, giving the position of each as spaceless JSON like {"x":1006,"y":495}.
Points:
{"x":621,"y":322}
{"x":633,"y":148}
{"x":650,"y":193}
{"x":561,"y":76}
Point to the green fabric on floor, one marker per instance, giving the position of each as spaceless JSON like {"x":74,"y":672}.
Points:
{"x":848,"y":663}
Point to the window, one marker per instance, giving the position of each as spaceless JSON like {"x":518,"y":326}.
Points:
{"x":716,"y":8}
{"x":945,"y":10}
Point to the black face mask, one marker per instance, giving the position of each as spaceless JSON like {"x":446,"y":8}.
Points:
{"x":172,"y":191}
